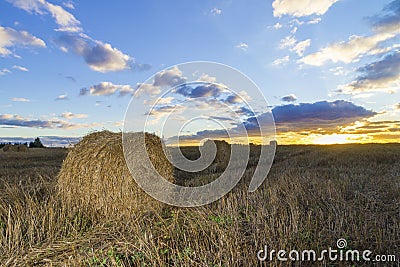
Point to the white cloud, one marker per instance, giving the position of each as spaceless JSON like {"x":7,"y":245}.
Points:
{"x":216,"y":11}
{"x":70,"y":115}
{"x":277,"y":26}
{"x":300,"y":47}
{"x":365,"y":95}
{"x":242,"y":46}
{"x":288,"y":41}
{"x":65,"y":20}
{"x":107,"y":88}
{"x":101,"y":57}
{"x":301,"y":8}
{"x":20,"y":99}
{"x":347,"y":52}
{"x":10,"y":38}
{"x":69,"y":5}
{"x":206,"y":78}
{"x":169,"y":77}
{"x":62,"y":97}
{"x":289,"y":98}
{"x":314,"y":21}
{"x":15,"y":120}
{"x":21,"y":68}
{"x":281,"y":61}
{"x":4,"y":71}
{"x":148,"y":89}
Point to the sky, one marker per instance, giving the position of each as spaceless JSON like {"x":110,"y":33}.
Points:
{"x":328,"y":69}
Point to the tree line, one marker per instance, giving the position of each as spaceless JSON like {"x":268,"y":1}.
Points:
{"x":37,"y":143}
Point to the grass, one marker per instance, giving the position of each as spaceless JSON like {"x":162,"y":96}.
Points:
{"x":313,"y":196}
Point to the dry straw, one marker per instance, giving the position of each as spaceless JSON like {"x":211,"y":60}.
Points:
{"x":15,"y":148}
{"x":222,"y":156}
{"x":95,"y":178}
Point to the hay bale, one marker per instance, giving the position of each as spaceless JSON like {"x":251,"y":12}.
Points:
{"x":10,"y":148}
{"x":22,"y":148}
{"x":95,"y":178}
{"x":222,"y":156}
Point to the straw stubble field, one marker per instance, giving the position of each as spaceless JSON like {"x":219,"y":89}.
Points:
{"x":313,"y":196}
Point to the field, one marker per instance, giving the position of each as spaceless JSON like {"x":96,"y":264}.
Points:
{"x":313,"y":196}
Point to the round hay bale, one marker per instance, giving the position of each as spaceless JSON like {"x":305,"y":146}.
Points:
{"x":95,"y":178}
{"x":22,"y":148}
{"x":10,"y":148}
{"x":222,"y":156}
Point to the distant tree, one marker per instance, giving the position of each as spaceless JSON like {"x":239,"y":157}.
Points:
{"x":36,"y":144}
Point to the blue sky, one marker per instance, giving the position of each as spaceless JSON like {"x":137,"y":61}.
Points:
{"x":71,"y":67}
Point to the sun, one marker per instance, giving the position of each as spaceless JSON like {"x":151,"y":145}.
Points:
{"x":332,"y":139}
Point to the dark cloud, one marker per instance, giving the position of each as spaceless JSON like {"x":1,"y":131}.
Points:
{"x":204,"y":90}
{"x":84,"y":91}
{"x":390,"y":20}
{"x":320,"y":112}
{"x":289,"y":98}
{"x":321,"y":117}
{"x":233,"y":99}
{"x":379,"y":75}
{"x":245,"y":111}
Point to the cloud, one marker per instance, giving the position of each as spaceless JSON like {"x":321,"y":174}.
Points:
{"x":169,"y":77}
{"x":320,"y":113}
{"x":280,"y":61}
{"x":216,"y":11}
{"x":385,"y":28}
{"x":159,"y":111}
{"x":347,"y":52}
{"x":390,"y":21}
{"x":70,"y":115}
{"x":207,"y":90}
{"x":21,"y":68}
{"x":65,"y":20}
{"x":277,"y":26}
{"x":288,"y":41}
{"x":314,"y":21}
{"x":101,"y":57}
{"x":398,"y":106}
{"x":166,"y":78}
{"x":233,"y":99}
{"x":242,"y":46}
{"x":19,"y":121}
{"x":300,"y":47}
{"x":10,"y":38}
{"x":301,"y":8}
{"x":381,"y":75}
{"x":107,"y":88}
{"x":289,"y":98}
{"x":148,"y":89}
{"x":69,"y":5}
{"x":20,"y":99}
{"x":4,"y":71}
{"x":62,"y":97}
